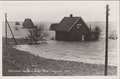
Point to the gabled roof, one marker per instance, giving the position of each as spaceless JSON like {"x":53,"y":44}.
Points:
{"x":27,"y":23}
{"x":66,"y":24}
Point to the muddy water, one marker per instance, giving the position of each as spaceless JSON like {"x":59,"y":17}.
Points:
{"x":87,"y":52}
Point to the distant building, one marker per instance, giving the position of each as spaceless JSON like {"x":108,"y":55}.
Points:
{"x":17,"y":24}
{"x":28,"y":23}
{"x":73,"y":29}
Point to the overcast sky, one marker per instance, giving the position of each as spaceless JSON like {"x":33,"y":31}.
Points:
{"x":54,"y":11}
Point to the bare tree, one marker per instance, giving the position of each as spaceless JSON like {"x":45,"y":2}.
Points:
{"x":36,"y":34}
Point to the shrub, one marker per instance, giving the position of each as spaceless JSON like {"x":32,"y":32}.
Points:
{"x":97,"y":29}
{"x":36,"y":34}
{"x":17,"y":23}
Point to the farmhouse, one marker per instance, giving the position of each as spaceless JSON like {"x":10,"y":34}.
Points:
{"x":73,"y":29}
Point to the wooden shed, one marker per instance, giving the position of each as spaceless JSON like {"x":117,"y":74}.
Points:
{"x":71,"y":29}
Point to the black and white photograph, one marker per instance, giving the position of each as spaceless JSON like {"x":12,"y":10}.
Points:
{"x":60,"y":38}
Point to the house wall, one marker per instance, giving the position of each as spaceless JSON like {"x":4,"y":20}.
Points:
{"x":61,"y":36}
{"x":76,"y":34}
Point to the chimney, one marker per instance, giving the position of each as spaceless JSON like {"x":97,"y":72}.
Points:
{"x":71,"y":15}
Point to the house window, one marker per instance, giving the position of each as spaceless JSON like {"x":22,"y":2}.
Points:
{"x":78,"y":26}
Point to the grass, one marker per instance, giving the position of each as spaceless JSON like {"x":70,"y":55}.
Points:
{"x":17,"y":60}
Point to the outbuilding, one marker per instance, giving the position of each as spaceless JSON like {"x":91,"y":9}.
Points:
{"x":27,"y":23}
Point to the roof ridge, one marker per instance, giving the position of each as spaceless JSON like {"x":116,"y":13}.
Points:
{"x":85,"y":24}
{"x":74,"y":24}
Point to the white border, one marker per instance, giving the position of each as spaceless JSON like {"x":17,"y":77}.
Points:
{"x":50,"y":77}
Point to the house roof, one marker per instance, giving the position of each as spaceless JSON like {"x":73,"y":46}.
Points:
{"x":53,"y":26}
{"x":27,"y":23}
{"x":66,"y":24}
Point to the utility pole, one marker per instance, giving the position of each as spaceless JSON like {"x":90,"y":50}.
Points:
{"x":7,"y":23}
{"x":6,"y":28}
{"x":106,"y":40}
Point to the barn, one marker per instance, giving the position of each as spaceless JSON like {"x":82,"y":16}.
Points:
{"x":72,"y":29}
{"x":27,"y":23}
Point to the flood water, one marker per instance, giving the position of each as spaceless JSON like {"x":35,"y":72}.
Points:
{"x":88,"y":52}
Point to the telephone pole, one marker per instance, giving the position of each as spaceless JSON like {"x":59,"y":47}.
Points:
{"x":7,"y":23}
{"x":6,"y":28}
{"x":106,"y":40}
